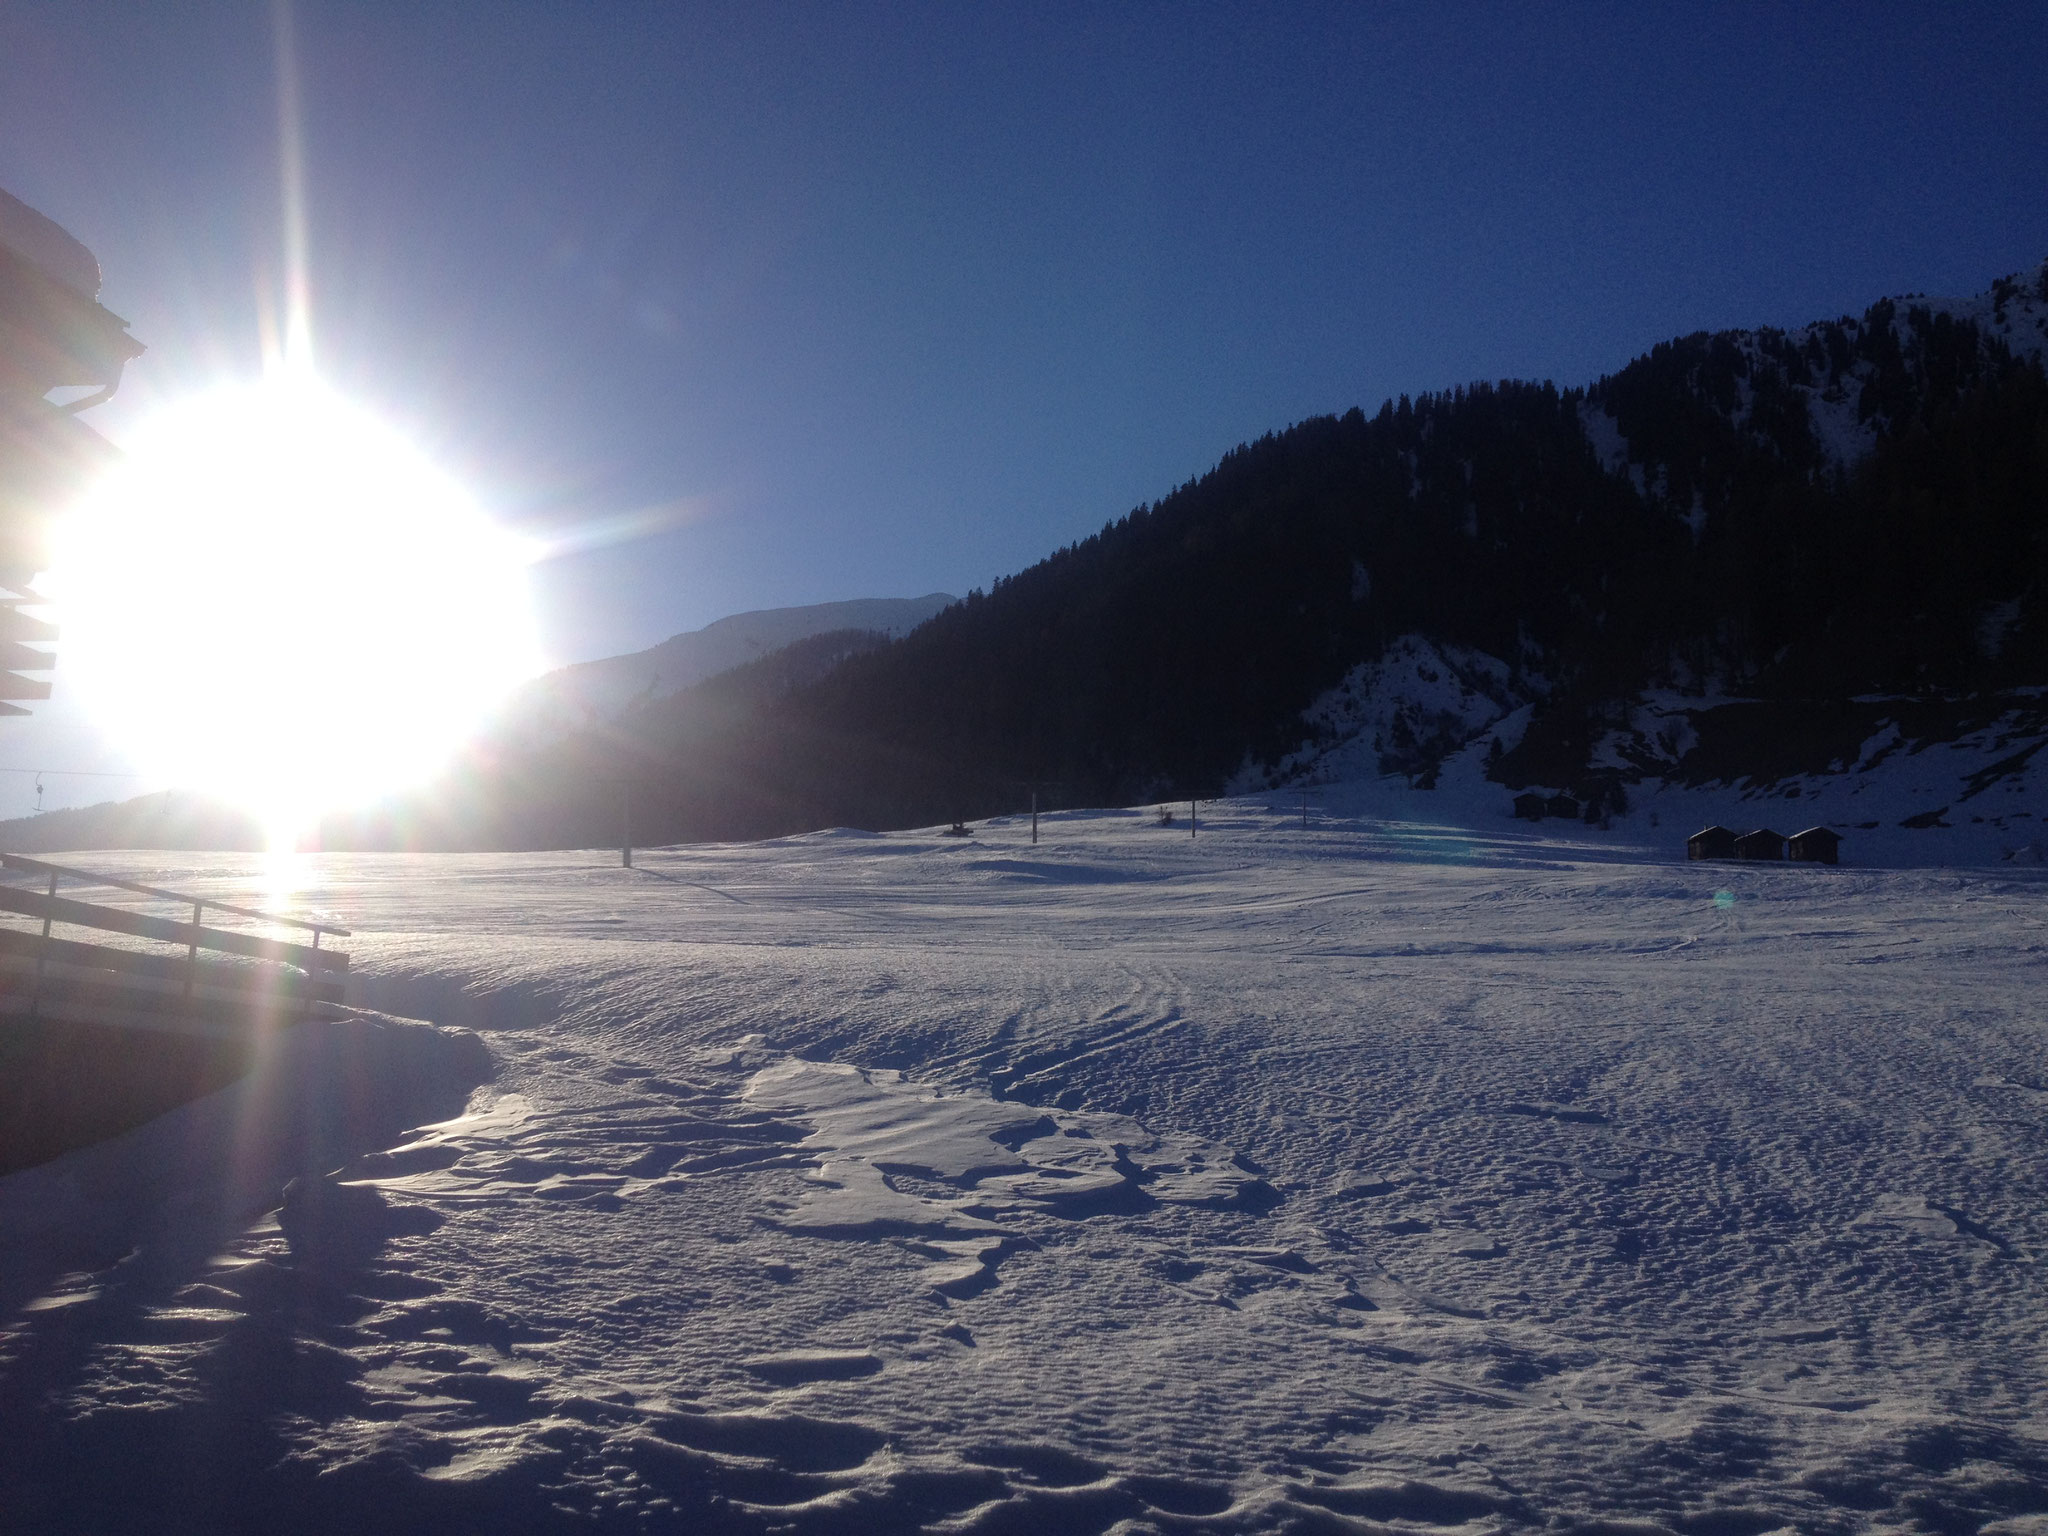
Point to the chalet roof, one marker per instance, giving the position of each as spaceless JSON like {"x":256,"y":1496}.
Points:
{"x":49,"y":245}
{"x":1827,"y":833}
{"x":52,"y":335}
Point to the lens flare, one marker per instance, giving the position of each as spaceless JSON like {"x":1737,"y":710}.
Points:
{"x":277,"y":599}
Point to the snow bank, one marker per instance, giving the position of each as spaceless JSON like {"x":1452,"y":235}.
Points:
{"x":1000,"y":1157}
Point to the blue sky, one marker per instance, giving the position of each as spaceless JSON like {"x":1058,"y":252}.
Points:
{"x":870,"y":300}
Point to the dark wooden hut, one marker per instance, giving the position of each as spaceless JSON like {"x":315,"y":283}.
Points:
{"x":1763,"y":843}
{"x":1715,"y":842}
{"x":1562,"y":805}
{"x":1531,"y":807}
{"x":1816,"y":845}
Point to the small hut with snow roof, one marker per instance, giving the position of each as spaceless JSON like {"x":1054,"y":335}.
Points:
{"x":1816,"y":845}
{"x":1715,"y":842}
{"x":1763,"y":843}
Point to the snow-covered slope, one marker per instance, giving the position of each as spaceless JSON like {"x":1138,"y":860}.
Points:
{"x":1419,"y":703}
{"x":1379,"y":1175}
{"x":1904,"y":781}
{"x":602,"y":687}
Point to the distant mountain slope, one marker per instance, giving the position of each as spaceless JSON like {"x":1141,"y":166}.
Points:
{"x":1748,"y":561}
{"x":159,"y":821}
{"x":605,"y":687}
{"x":1792,"y":519}
{"x":1856,"y":508}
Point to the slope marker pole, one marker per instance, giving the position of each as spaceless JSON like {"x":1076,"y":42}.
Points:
{"x":35,"y":1006}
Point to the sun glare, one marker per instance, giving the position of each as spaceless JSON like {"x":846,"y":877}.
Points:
{"x":277,"y":599}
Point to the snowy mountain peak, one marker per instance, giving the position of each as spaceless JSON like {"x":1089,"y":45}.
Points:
{"x":1818,"y":398}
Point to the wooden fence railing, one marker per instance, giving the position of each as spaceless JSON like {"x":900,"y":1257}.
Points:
{"x":47,"y":976}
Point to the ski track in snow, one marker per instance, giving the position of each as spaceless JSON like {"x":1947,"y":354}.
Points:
{"x":1370,"y":1176}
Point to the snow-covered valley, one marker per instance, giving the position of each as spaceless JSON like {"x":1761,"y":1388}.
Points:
{"x":1374,"y":1174}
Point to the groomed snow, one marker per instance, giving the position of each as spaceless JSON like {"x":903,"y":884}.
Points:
{"x":1374,"y":1175}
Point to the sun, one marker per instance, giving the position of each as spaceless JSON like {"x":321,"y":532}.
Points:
{"x":278,"y":599}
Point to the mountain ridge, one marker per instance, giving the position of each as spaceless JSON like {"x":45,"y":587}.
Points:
{"x":608,"y":684}
{"x":1636,"y":584}
{"x":1852,"y":507}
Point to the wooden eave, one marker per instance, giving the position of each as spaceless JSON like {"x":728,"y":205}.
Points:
{"x":52,"y":336}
